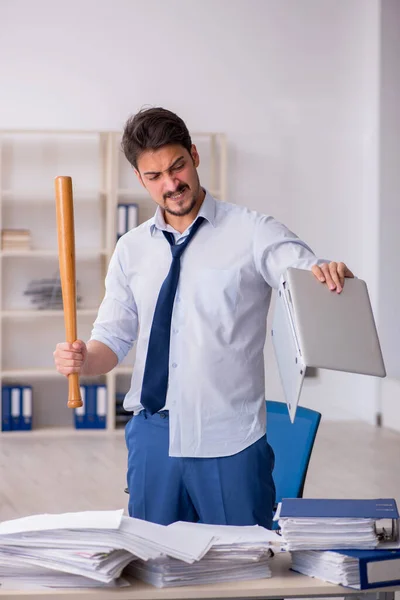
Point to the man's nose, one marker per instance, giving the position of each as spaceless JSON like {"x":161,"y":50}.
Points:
{"x":171,"y":184}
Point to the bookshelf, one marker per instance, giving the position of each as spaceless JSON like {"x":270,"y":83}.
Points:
{"x":102,"y":179}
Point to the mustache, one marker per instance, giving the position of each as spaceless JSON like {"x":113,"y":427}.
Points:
{"x":178,"y":190}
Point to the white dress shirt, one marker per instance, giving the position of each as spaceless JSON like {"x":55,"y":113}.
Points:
{"x":216,"y":390}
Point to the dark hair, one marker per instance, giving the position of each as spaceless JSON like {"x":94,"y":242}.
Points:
{"x":152,"y":128}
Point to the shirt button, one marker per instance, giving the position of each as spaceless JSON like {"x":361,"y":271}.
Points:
{"x":174,"y":365}
{"x":175,"y":331}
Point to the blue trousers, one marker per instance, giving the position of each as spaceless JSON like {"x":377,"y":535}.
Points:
{"x":229,"y":490}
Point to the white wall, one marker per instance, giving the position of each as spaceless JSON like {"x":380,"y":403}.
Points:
{"x":293,"y":84}
{"x":389,"y":314}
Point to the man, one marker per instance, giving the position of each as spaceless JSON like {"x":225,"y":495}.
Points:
{"x":192,"y":286}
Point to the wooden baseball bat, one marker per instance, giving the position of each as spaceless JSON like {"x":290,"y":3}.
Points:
{"x":66,"y":255}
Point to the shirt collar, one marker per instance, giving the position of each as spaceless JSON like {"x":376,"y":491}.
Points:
{"x":207,"y":210}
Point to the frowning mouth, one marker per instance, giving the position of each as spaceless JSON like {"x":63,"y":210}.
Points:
{"x":178,"y":195}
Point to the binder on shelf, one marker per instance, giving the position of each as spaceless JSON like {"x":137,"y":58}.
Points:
{"x":5,"y":408}
{"x":90,"y":407}
{"x":127,"y":218}
{"x":80,"y":412}
{"x":93,"y":412}
{"x":315,"y":327}
{"x":133,"y":220}
{"x":26,"y":407}
{"x":121,"y":220}
{"x":16,"y":408}
{"x":101,"y":406}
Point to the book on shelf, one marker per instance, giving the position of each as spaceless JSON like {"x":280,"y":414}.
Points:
{"x":15,"y":239}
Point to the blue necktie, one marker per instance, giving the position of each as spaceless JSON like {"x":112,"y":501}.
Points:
{"x":155,"y":377}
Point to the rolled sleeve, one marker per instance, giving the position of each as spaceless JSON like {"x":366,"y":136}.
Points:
{"x":116,"y":324}
{"x":276,"y":248}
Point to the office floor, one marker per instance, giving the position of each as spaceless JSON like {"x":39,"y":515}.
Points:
{"x":57,"y":471}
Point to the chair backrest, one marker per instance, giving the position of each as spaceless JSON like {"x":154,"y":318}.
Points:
{"x":292,"y":444}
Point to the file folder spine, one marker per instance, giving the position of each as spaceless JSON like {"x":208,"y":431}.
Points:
{"x":365,"y":574}
{"x":376,"y":567}
{"x":90,"y":407}
{"x":80,"y":412}
{"x":133,"y":210}
{"x":101,"y":406}
{"x":16,"y":407}
{"x":121,"y":220}
{"x":93,"y":412}
{"x":127,"y":218}
{"x":26,"y":408}
{"x":6,"y":408}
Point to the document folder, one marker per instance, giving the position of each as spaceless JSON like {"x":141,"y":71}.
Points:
{"x":316,"y":327}
{"x":322,"y":523}
{"x":358,"y":569}
{"x":376,"y":567}
{"x":382,"y":511}
{"x":365,"y":508}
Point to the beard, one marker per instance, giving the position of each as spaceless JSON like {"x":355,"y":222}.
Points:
{"x":188,"y":203}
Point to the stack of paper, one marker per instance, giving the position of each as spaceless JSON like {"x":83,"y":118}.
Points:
{"x":360,"y":569}
{"x":319,"y":524}
{"x":237,"y":553}
{"x":95,"y":545}
{"x":325,"y":534}
{"x":36,"y":578}
{"x":46,"y":294}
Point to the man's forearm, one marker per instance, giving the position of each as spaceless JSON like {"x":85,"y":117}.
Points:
{"x":100,"y":359}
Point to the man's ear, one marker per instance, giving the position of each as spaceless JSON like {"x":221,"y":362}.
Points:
{"x":195,"y":156}
{"x":138,"y":175}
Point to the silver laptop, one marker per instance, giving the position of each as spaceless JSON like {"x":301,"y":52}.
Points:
{"x":316,"y":327}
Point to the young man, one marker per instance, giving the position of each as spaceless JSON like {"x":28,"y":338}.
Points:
{"x":192,"y":286}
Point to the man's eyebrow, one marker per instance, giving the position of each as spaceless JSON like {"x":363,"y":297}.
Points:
{"x":170,"y":167}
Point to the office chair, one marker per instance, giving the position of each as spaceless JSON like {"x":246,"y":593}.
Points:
{"x":292,"y":444}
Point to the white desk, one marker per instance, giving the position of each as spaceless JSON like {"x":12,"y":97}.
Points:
{"x":283,"y":584}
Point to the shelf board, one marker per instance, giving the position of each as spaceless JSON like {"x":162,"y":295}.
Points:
{"x":67,"y":132}
{"x":50,"y":253}
{"x":51,"y":431}
{"x":132,"y":192}
{"x":27,"y":313}
{"x":42,"y":372}
{"x":45,"y":196}
{"x":46,"y":373}
{"x":124,"y":370}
